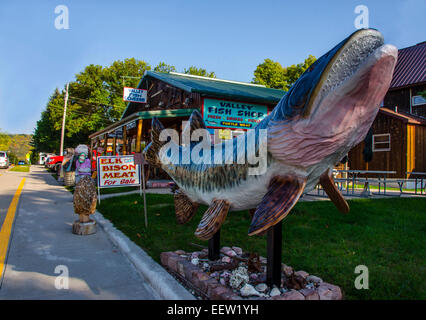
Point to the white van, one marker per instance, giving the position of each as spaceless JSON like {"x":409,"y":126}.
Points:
{"x":4,"y":160}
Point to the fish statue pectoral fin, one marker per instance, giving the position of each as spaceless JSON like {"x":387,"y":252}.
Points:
{"x":283,"y":193}
{"x":185,"y":209}
{"x":327,"y":183}
{"x":212,"y":219}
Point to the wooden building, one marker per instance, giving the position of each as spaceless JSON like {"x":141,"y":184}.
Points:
{"x":409,"y":79}
{"x":398,"y":142}
{"x":228,"y":108}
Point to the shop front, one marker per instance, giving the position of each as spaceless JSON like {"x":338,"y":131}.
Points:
{"x":229,"y":108}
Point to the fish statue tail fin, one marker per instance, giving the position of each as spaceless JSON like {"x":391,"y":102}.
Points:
{"x":152,"y":149}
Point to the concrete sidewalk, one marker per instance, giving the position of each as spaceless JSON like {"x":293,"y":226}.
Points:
{"x":42,"y":241}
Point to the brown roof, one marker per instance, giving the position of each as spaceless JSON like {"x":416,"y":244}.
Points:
{"x":411,"y":66}
{"x":405,"y":117}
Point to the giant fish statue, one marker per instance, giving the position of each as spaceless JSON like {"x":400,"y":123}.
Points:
{"x":328,"y":111}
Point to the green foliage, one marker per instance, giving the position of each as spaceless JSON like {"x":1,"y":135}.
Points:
{"x":16,"y":145}
{"x":199,"y":72}
{"x":423,"y":94}
{"x":4,"y":141}
{"x":163,"y":67}
{"x":272,"y":75}
{"x":95,"y":101}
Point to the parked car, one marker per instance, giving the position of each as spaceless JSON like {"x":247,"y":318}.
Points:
{"x":21,"y":163}
{"x":4,"y":160}
{"x":55,"y":163}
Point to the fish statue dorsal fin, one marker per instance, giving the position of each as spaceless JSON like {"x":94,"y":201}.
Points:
{"x":195,"y":122}
{"x":283,"y":193}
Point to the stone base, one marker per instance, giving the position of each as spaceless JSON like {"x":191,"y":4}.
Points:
{"x":178,"y":264}
{"x":84,"y":228}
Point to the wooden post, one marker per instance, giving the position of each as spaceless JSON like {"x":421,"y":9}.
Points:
{"x":105,"y":144}
{"x":274,"y":247}
{"x":214,"y":246}
{"x":124,"y":149}
{"x":114,"y":144}
{"x":139,"y":136}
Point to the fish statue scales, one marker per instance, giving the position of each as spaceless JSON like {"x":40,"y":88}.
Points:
{"x":327,"y":112}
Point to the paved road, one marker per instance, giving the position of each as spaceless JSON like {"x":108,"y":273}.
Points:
{"x":42,"y":240}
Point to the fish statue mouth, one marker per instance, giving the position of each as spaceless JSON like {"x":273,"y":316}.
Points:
{"x":341,"y":93}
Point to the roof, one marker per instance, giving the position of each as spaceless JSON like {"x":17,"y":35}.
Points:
{"x":220,"y":88}
{"x":411,"y":67}
{"x":212,"y":87}
{"x":405,"y":117}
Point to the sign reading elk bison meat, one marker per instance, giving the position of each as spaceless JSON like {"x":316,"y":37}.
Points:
{"x":118,"y":171}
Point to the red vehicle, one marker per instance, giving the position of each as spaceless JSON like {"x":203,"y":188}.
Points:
{"x":55,"y":162}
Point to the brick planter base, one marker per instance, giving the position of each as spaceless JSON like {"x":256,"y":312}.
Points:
{"x":192,"y":274}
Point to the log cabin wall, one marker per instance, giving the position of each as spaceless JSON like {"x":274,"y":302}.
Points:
{"x":393,"y":160}
{"x":416,"y":153}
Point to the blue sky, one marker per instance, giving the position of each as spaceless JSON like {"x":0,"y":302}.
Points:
{"x":228,"y":37}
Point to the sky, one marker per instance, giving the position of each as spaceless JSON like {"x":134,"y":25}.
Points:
{"x":228,"y":37}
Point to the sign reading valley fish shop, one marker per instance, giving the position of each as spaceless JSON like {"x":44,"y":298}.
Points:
{"x":118,"y":171}
{"x":231,"y":114}
{"x":134,"y":95}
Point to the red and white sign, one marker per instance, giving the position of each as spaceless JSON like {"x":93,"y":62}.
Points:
{"x":135,"y":95}
{"x":118,"y":171}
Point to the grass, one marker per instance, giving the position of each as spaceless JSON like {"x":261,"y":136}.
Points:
{"x":21,"y":168}
{"x":386,"y":235}
{"x":108,"y":190}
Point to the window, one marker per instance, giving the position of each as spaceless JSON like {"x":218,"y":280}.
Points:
{"x":381,"y":142}
{"x":418,"y":100}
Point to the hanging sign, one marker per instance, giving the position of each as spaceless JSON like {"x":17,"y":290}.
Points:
{"x":117,"y":171}
{"x":231,"y":114}
{"x":134,"y":95}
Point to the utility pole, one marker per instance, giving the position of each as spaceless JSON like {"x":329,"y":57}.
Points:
{"x":63,"y":121}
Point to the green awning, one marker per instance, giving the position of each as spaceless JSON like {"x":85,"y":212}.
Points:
{"x":165,"y":113}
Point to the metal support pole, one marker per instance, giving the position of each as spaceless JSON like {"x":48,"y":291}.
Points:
{"x":214,"y":246}
{"x":273,"y":248}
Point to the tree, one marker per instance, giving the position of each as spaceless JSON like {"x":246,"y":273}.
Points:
{"x":272,"y":75}
{"x":4,"y":141}
{"x":199,"y":72}
{"x":163,"y":67}
{"x":95,"y":101}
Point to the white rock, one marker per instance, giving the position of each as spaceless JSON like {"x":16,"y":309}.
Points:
{"x":248,"y":291}
{"x":226,"y":259}
{"x":238,"y":250}
{"x":239,"y":277}
{"x":206,"y":265}
{"x":222,"y":281}
{"x":261,"y":287}
{"x":195,"y":255}
{"x":194,"y":261}
{"x":314,"y":279}
{"x":224,"y":249}
{"x":275,"y":292}
{"x":231,"y":253}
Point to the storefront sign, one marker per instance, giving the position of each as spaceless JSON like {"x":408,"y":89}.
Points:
{"x":231,"y":114}
{"x":117,"y":171}
{"x":134,"y":95}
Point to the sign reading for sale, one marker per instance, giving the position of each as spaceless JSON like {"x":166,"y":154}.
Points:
{"x":118,"y":171}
